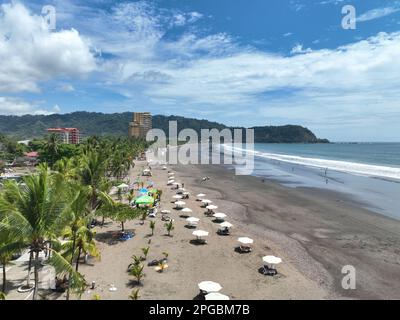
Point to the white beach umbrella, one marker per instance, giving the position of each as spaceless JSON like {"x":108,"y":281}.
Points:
{"x":165,"y":211}
{"x":177,"y":196}
{"x":180,"y":203}
{"x":212,"y":207}
{"x":192,"y":220}
{"x":122,"y":186}
{"x":216,"y":296}
{"x":206,"y":201}
{"x":186,"y":210}
{"x":186,"y":193}
{"x":200,"y":233}
{"x":171,"y":173}
{"x":272,"y":260}
{"x":245,"y":240}
{"x":182,"y":189}
{"x":219,"y":215}
{"x":200,"y":195}
{"x":226,"y":224}
{"x":164,"y":168}
{"x":209,"y":286}
{"x":170,"y":182}
{"x":176,"y":183}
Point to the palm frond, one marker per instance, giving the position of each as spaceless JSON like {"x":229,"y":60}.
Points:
{"x":63,"y":267}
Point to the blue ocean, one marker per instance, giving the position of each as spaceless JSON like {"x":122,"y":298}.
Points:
{"x":369,"y":173}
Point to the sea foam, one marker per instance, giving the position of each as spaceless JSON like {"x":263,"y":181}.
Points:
{"x":342,"y":166}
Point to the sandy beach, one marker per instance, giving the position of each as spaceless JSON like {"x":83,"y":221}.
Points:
{"x":189,"y":263}
{"x":316,"y":233}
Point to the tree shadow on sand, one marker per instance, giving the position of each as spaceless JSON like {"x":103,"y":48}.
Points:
{"x":135,"y":284}
{"x":112,"y":237}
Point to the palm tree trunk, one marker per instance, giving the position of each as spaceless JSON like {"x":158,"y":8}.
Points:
{"x":122,"y":225}
{"x":4,"y":278}
{"x":72,"y":260}
{"x":36,"y":272}
{"x":77,"y":259}
{"x":29,"y":269}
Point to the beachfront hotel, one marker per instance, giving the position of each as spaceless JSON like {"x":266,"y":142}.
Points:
{"x":140,"y":125}
{"x":67,"y":135}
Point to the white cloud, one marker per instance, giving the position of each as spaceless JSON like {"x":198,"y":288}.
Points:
{"x":299,"y":49}
{"x":212,"y":73}
{"x":10,"y":105}
{"x":17,"y":106}
{"x":377,"y":13}
{"x":66,"y":88}
{"x":35,"y":54}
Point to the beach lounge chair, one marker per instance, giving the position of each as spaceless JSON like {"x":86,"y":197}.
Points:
{"x":209,"y":213}
{"x":223,"y":232}
{"x":165,"y":217}
{"x":152,"y":213}
{"x":267,"y":271}
{"x":245,"y":249}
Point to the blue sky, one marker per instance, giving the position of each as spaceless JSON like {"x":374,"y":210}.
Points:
{"x":242,"y":62}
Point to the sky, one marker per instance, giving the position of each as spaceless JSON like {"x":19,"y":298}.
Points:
{"x":242,"y":62}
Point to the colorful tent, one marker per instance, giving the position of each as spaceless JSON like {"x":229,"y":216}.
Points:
{"x":144,"y":200}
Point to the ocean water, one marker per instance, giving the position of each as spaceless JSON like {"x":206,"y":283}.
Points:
{"x":369,"y":173}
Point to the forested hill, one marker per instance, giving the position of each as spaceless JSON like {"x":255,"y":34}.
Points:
{"x":116,"y":124}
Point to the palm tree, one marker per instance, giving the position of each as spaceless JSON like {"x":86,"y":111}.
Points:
{"x":51,"y":148}
{"x":66,"y":167}
{"x":85,"y":244}
{"x":118,"y":211}
{"x":152,"y":226}
{"x":136,"y":261}
{"x":3,"y":296}
{"x":145,"y":252}
{"x":92,"y":173}
{"x":130,"y":196}
{"x":35,"y":214}
{"x":137,"y":272}
{"x":144,"y":216}
{"x":134,"y":294}
{"x":169,"y":226}
{"x":80,"y":216}
{"x":5,"y":257}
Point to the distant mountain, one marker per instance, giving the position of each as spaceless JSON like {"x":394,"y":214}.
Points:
{"x":116,"y":124}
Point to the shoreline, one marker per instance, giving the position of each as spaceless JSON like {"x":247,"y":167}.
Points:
{"x":328,"y":230}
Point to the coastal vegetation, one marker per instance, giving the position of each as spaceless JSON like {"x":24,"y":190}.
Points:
{"x":51,"y":210}
{"x":116,"y":124}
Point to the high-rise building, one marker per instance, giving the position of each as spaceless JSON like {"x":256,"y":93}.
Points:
{"x":67,"y":135}
{"x":140,"y":125}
